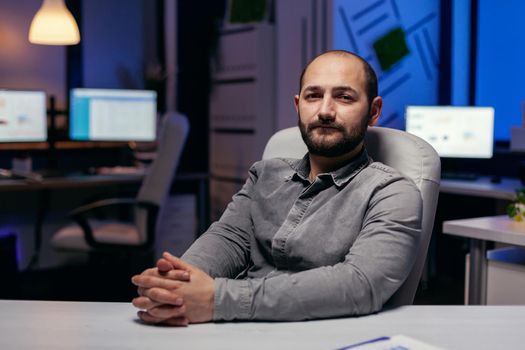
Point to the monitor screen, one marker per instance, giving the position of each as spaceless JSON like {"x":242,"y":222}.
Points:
{"x":23,"y":116}
{"x":454,"y":132}
{"x":112,"y":115}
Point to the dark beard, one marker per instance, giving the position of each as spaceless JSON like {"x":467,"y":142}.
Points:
{"x":348,"y":143}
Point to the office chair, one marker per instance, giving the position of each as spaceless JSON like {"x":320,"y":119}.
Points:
{"x":110,"y":236}
{"x":406,"y":153}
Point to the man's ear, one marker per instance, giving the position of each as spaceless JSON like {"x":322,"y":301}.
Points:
{"x":296,"y":103}
{"x":375,"y":110}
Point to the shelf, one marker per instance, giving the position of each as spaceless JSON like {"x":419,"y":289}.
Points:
{"x":88,"y":144}
{"x":24,"y":146}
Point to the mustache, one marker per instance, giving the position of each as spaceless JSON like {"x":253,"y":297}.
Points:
{"x":325,"y":123}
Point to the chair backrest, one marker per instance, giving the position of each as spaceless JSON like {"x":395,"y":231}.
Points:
{"x":157,"y":181}
{"x":408,"y":154}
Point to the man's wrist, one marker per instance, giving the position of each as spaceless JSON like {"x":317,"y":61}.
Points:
{"x":211,"y":301}
{"x":233,"y":300}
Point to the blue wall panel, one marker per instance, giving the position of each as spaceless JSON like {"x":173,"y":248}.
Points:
{"x":413,"y":80}
{"x":500,"y":78}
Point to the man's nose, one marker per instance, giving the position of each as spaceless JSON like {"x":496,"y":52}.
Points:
{"x":327,"y":111}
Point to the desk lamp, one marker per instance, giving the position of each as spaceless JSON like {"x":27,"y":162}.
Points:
{"x":53,"y":24}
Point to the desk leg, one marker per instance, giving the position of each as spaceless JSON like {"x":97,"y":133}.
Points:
{"x":41,"y":211}
{"x":202,"y":207}
{"x":477,"y":293}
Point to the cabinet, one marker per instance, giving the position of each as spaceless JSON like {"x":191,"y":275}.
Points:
{"x":241,"y":108}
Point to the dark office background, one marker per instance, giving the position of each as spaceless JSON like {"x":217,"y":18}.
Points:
{"x":480,"y":63}
{"x":480,"y":51}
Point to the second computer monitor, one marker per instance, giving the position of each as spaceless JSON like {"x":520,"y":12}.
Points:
{"x":454,"y":132}
{"x":112,"y":115}
{"x":23,"y":116}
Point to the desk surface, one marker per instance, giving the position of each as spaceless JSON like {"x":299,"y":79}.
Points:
{"x":69,"y":181}
{"x":482,"y":187}
{"x":491,"y":228}
{"x":75,"y":325}
{"x":77,"y":181}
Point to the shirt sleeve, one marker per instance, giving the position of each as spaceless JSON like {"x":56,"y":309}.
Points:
{"x":376,"y":265}
{"x":224,"y":249}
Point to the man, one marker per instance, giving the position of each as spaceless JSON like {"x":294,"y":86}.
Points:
{"x":332,"y":234}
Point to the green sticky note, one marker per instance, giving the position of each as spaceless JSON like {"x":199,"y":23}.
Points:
{"x":246,"y":11}
{"x":391,"y":48}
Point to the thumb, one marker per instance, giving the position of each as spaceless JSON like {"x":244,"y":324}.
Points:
{"x":176,"y":263}
{"x":164,"y":266}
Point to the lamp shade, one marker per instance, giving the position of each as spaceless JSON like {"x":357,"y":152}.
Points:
{"x":53,"y":24}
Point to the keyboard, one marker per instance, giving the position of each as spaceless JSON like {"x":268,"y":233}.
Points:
{"x":126,"y":170}
{"x":459,"y":175}
{"x":55,"y":173}
{"x":20,"y":175}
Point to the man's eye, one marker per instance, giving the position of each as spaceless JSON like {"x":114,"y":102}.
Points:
{"x":346,"y":98}
{"x":312,"y":96}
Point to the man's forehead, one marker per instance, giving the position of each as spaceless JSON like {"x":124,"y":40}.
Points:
{"x":329,"y":61}
{"x":334,"y":87}
{"x":335,"y":70}
{"x":337,"y":56}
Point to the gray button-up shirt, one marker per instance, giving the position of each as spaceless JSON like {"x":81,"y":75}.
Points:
{"x":290,"y":249}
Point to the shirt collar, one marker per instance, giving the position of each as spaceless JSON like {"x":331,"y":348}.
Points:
{"x":339,"y":176}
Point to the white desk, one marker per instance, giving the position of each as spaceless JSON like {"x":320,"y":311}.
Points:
{"x":74,"y":325}
{"x":482,"y":187}
{"x":479,"y":230}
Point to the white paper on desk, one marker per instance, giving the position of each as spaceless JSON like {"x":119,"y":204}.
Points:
{"x":395,"y":342}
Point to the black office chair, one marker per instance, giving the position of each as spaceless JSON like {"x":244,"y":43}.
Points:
{"x":92,"y":235}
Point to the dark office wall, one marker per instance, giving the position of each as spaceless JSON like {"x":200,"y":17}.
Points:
{"x":24,"y":65}
{"x":113,"y":44}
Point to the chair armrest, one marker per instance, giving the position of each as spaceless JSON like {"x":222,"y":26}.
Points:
{"x":84,"y":209}
{"x":80,"y":215}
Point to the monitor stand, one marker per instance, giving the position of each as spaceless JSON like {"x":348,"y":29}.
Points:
{"x":458,"y":169}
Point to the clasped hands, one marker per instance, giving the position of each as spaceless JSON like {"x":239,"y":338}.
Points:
{"x":174,"y":293}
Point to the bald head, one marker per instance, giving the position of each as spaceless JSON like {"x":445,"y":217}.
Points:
{"x":370,"y":75}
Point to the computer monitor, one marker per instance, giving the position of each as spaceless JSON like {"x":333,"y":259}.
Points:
{"x":454,"y":132}
{"x":23,"y":116}
{"x":112,"y":115}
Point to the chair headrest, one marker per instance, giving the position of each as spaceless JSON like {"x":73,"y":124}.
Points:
{"x":407,"y":153}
